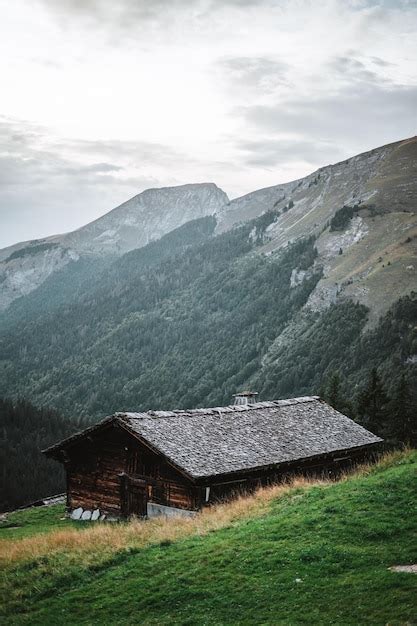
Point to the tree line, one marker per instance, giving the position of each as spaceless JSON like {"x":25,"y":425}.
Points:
{"x":387,"y":411}
{"x":25,"y":430}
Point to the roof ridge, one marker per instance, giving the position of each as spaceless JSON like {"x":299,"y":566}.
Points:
{"x":230,"y":408}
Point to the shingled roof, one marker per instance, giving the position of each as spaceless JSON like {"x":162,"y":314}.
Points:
{"x":223,"y":440}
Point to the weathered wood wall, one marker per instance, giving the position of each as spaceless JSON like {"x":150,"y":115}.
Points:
{"x":95,"y":468}
{"x":329,"y":466}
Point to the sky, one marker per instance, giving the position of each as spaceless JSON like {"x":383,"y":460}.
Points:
{"x":102,"y":99}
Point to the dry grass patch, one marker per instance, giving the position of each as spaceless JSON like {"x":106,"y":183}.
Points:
{"x":104,"y":539}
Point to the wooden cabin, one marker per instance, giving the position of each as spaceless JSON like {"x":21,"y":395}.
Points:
{"x":176,"y":462}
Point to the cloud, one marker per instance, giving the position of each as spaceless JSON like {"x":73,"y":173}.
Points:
{"x":49,"y":186}
{"x":31,"y":156}
{"x":104,"y":168}
{"x":374,"y":113}
{"x":245,"y":93}
{"x":381,"y":62}
{"x":137,"y":152}
{"x":354,"y":70}
{"x":263,"y":74}
{"x":129,"y":15}
{"x":271,"y":153}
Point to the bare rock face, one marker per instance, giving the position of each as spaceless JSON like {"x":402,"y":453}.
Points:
{"x":146,"y":217}
{"x":28,"y":267}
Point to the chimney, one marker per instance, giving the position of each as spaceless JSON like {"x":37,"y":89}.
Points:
{"x":245,"y":397}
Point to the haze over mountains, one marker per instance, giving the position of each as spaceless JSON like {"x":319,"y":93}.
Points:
{"x":385,"y":178}
{"x":144,"y":218}
{"x":179,"y":296}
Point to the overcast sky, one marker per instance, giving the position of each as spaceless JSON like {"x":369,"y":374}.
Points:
{"x":101,"y":99}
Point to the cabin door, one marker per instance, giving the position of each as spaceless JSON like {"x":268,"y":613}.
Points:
{"x":135,"y":497}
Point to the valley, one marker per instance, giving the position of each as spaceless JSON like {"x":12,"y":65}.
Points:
{"x":288,"y":291}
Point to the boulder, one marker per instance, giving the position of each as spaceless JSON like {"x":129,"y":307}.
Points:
{"x":76,"y":513}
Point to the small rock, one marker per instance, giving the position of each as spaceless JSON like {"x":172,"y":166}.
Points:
{"x":95,"y":515}
{"x":409,"y":569}
{"x":76,"y":514}
{"x":86,"y":515}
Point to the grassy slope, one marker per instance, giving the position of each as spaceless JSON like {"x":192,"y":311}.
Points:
{"x":376,"y":284}
{"x":316,"y":555}
{"x":34,"y":521}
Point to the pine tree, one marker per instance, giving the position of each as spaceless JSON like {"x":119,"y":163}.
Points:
{"x":333,"y":390}
{"x":372,"y":404}
{"x":403,"y":413}
{"x":334,"y":395}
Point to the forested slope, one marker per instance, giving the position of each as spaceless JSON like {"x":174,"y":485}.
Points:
{"x":191,"y":318}
{"x":26,"y":474}
{"x":161,"y":330}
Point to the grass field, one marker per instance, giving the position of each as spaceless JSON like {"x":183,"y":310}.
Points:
{"x":302,"y":554}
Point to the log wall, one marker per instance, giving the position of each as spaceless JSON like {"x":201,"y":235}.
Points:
{"x":96,"y":468}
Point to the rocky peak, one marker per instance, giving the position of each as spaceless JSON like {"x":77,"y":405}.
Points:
{"x":145,"y":217}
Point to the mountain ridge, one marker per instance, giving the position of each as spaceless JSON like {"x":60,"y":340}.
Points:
{"x":386,"y":175}
{"x":141,"y":219}
{"x":322,"y":280}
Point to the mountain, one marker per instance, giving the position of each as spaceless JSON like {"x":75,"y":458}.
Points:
{"x":377,"y":241}
{"x":381,"y":184}
{"x":143,"y":218}
{"x":146,"y":217}
{"x":385,"y":176}
{"x":283,"y":294}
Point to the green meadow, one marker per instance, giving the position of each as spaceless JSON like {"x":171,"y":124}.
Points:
{"x":309,"y":554}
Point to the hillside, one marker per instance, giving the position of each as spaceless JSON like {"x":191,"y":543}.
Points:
{"x":191,"y":318}
{"x":281,"y":290}
{"x":379,"y":244}
{"x":311,"y":553}
{"x":160,"y":330}
{"x":371,"y":257}
{"x":27,"y":475}
{"x":144,"y":218}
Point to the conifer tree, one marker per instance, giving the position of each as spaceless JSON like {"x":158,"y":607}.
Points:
{"x":403,"y":413}
{"x":334,"y":395}
{"x":372,"y":404}
{"x":333,"y":390}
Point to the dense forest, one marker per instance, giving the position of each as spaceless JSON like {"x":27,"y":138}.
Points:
{"x":26,"y":474}
{"x":189,"y":319}
{"x":159,"y":329}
